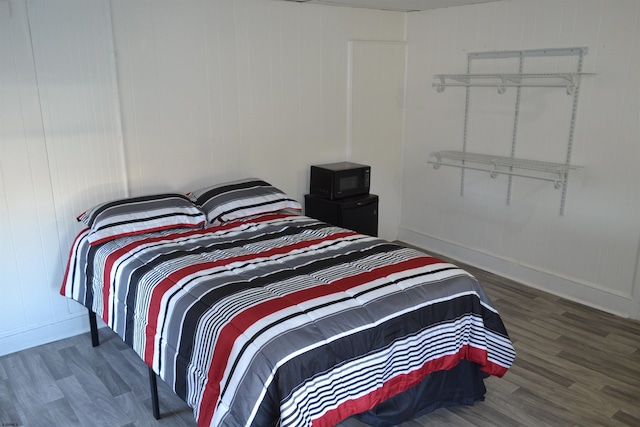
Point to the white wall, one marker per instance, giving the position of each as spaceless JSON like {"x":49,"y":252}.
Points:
{"x":262,"y":89}
{"x":103,"y":99}
{"x":376,"y":117}
{"x":591,"y":254}
{"x":60,"y":151}
{"x":220,"y":89}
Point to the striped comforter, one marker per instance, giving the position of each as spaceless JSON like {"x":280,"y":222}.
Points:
{"x":284,"y":319}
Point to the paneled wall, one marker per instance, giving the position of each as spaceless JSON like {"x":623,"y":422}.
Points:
{"x":376,"y":111}
{"x":591,"y":254}
{"x":105,"y":98}
{"x":26,"y":201}
{"x":60,"y":151}
{"x":214,"y":90}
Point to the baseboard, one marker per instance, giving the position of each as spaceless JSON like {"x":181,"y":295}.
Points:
{"x":590,"y":294}
{"x":44,"y":333}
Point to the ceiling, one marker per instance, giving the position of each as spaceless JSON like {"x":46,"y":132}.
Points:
{"x":396,"y":5}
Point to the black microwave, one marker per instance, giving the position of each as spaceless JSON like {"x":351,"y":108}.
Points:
{"x":339,"y":180}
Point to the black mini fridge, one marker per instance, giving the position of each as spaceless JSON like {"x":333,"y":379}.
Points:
{"x":358,"y":213}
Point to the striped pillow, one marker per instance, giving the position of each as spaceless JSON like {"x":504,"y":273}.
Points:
{"x":239,"y":199}
{"x":137,"y":215}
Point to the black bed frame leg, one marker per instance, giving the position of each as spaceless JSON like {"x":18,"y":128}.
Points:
{"x":95,"y":339}
{"x":153,"y":383}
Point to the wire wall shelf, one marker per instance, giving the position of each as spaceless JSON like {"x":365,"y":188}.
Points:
{"x":558,"y":173}
{"x":500,"y":165}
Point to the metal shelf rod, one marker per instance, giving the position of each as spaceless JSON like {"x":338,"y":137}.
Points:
{"x":566,"y":76}
{"x":488,"y":159}
{"x":559,"y":171}
{"x":562,"y":51}
{"x":501,"y":84}
{"x":502,"y":81}
{"x":495,"y":172}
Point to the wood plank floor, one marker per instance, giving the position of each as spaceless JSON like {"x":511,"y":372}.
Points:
{"x":575,"y":366}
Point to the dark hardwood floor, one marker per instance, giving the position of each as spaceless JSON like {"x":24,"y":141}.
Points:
{"x":575,"y":366}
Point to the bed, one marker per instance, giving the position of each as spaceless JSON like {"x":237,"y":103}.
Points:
{"x":255,"y":314}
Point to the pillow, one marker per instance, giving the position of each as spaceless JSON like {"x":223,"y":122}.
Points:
{"x":238,"y":199}
{"x":137,"y":215}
